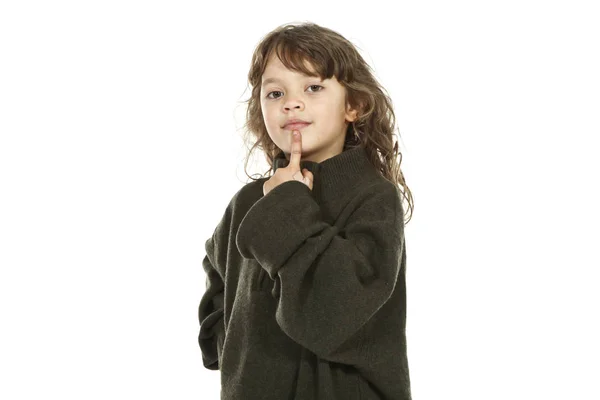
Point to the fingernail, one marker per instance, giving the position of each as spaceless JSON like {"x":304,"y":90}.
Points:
{"x":296,"y":133}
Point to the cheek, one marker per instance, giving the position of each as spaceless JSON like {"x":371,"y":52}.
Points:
{"x":266,"y":113}
{"x":270,"y":119}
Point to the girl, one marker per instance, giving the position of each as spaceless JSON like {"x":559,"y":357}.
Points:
{"x":305,"y":273}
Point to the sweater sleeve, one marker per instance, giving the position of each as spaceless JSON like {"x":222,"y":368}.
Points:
{"x":210,"y":311}
{"x":330,"y":279}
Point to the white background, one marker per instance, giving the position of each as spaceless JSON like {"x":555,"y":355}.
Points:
{"x":121,"y":146}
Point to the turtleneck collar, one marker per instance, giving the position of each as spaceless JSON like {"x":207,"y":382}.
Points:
{"x":337,"y":175}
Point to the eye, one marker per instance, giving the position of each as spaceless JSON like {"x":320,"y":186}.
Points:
{"x":277,"y":91}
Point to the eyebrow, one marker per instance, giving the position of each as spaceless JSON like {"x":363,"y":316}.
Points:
{"x":270,"y":80}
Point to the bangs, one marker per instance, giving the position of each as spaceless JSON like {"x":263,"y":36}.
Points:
{"x":298,"y":58}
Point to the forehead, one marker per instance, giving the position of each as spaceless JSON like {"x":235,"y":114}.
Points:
{"x":275,"y":70}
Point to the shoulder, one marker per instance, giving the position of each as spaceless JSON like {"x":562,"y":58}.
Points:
{"x":379,"y":187}
{"x":379,"y":194}
{"x":235,"y":210}
{"x":248,"y":194}
{"x":242,"y":200}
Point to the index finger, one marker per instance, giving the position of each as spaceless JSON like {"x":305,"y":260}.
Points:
{"x":296,"y":153}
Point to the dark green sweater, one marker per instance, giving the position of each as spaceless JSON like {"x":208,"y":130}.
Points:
{"x":305,"y":289}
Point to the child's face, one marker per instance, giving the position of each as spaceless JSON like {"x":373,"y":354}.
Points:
{"x":294,"y":96}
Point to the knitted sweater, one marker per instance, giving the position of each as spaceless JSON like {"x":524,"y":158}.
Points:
{"x":305,"y":289}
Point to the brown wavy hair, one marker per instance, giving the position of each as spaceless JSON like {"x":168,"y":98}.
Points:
{"x":330,"y":54}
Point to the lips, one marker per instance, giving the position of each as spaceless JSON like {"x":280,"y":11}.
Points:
{"x":297,"y":125}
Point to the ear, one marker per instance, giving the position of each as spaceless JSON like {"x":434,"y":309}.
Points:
{"x":351,"y":114}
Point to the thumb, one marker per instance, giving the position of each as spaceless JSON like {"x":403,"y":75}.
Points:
{"x":307,"y":177}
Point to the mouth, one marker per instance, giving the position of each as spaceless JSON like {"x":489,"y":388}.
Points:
{"x":298,"y":125}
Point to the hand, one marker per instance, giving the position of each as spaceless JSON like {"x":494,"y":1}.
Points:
{"x":292,"y":171}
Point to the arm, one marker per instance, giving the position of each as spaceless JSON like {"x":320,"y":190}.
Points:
{"x":210,"y":312}
{"x":330,"y":279}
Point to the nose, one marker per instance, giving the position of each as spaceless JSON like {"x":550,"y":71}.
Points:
{"x":293,"y":104}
